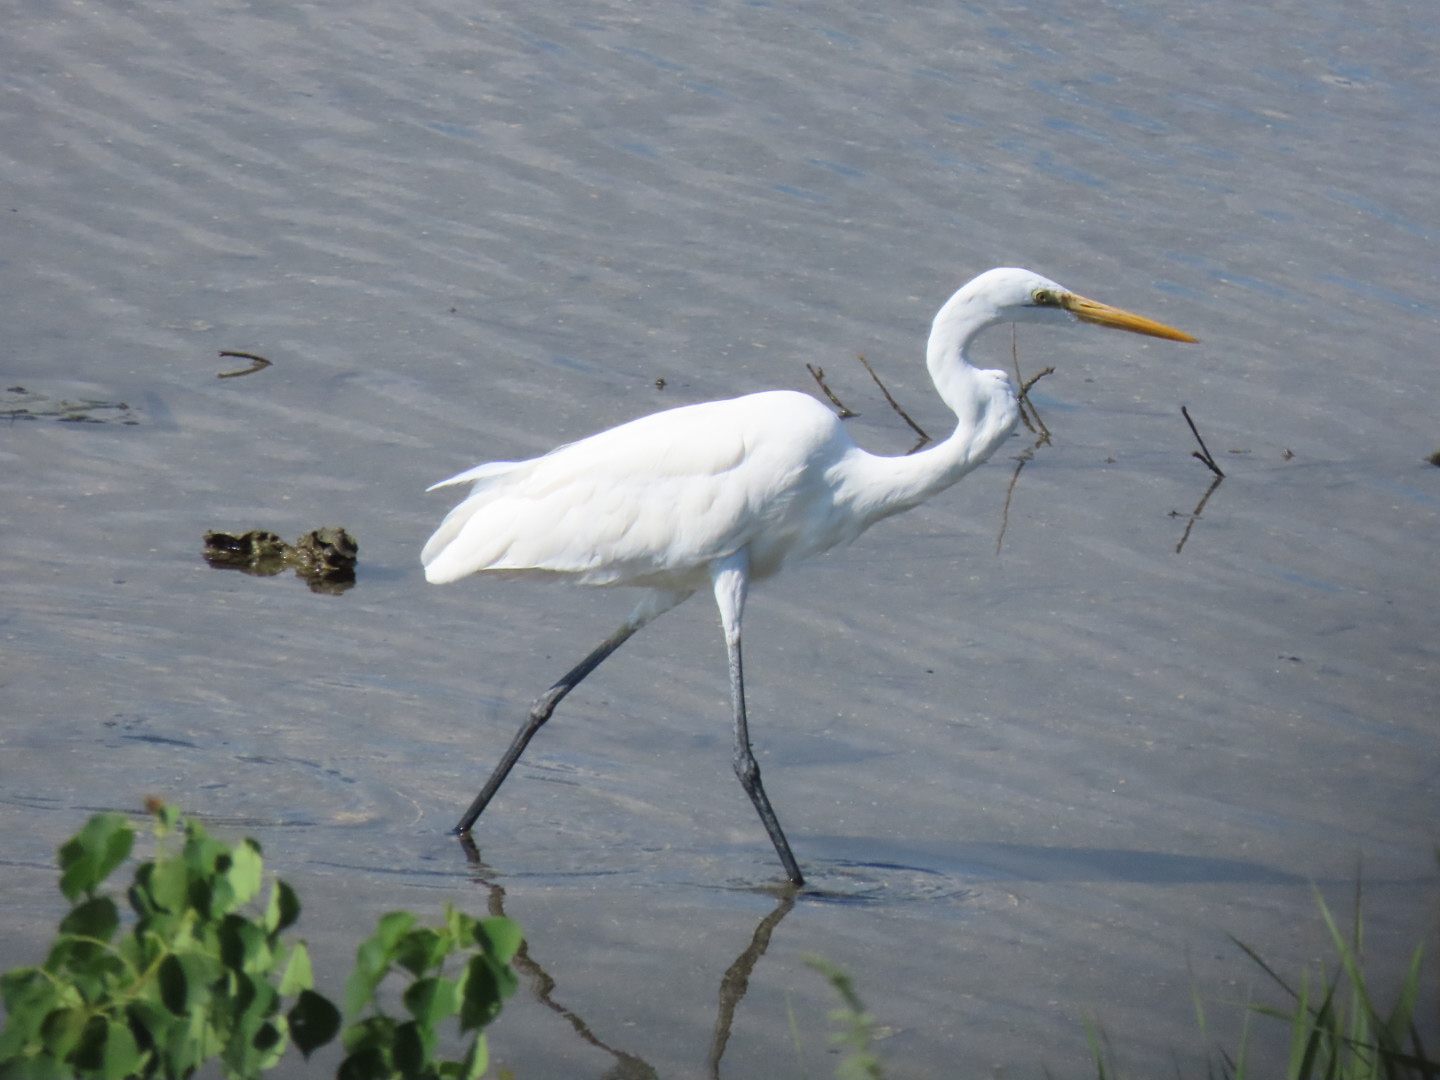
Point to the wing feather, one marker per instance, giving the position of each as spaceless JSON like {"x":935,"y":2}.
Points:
{"x":657,"y":498}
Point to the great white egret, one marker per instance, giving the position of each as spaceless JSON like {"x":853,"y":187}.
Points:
{"x":726,"y":493}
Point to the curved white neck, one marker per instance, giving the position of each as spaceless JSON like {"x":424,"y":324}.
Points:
{"x":985,"y":408}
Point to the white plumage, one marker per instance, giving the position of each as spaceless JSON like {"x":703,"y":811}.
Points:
{"x":724,"y":493}
{"x":651,"y":502}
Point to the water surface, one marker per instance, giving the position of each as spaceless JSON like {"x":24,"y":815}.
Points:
{"x":1031,"y":786}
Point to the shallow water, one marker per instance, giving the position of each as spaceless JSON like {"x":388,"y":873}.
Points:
{"x":1031,"y":786}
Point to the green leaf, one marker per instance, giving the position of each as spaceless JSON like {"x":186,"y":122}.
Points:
{"x":373,"y":959}
{"x":420,"y":950}
{"x":200,"y":894}
{"x":152,"y":938}
{"x":151,"y":1024}
{"x":174,"y":985}
{"x":72,"y":955}
{"x":370,"y":1063}
{"x":254,"y":1042}
{"x":167,"y":818}
{"x":142,"y":899}
{"x":412,"y":1049}
{"x":61,"y":1031}
{"x":481,"y":995}
{"x":313,"y":1020}
{"x":167,"y":885}
{"x":431,"y":1000}
{"x":500,"y":937}
{"x":95,"y":918}
{"x":477,"y":1058}
{"x":18,"y":987}
{"x":283,"y":909}
{"x":244,"y":998}
{"x":360,"y":988}
{"x":299,"y":975}
{"x":89,"y":857}
{"x":246,"y":872}
{"x":30,"y":1000}
{"x":506,"y":981}
{"x":42,"y":1067}
{"x":19,"y":1029}
{"x":89,"y":969}
{"x":90,"y":1050}
{"x":374,"y":1032}
{"x":244,"y":946}
{"x":189,"y":980}
{"x":268,"y":1038}
{"x":460,"y":925}
{"x":205,"y":863}
{"x":391,"y":928}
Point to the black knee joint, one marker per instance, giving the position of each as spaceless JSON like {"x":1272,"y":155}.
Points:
{"x":747,"y":769}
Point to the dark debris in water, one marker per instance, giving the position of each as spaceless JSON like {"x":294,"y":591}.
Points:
{"x":324,"y":558}
{"x":22,"y":404}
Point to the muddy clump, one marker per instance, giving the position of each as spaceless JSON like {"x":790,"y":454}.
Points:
{"x":324,"y":559}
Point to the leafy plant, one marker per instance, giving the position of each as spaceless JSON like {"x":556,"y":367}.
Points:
{"x":193,"y":977}
{"x":380,"y":1046}
{"x":858,"y":1026}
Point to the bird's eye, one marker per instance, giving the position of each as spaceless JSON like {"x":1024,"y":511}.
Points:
{"x":1044,"y":298}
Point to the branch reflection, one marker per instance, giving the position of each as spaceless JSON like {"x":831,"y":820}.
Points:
{"x":1194,"y":515}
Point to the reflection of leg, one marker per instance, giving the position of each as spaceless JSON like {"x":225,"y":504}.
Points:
{"x":628,"y":1066}
{"x":737,"y":979}
{"x":655,"y":603}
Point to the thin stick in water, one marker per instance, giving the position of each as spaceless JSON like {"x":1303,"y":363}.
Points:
{"x":819,"y":375}
{"x":924,"y":438}
{"x":1028,"y":413}
{"x":1204,"y":452}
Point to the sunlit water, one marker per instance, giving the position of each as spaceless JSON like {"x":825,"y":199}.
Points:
{"x":1031,"y":785}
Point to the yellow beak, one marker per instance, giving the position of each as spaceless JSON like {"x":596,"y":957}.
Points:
{"x":1092,"y":311}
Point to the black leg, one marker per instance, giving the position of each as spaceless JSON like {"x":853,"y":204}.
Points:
{"x":539,"y":713}
{"x":731,"y":580}
{"x":748,"y":769}
{"x":655,"y":602}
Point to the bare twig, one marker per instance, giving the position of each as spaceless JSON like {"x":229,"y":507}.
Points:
{"x":819,"y":374}
{"x":924,"y":438}
{"x":1028,"y":407}
{"x":1204,"y":452}
{"x":257,"y":363}
{"x":1028,"y":413}
{"x":1020,"y":462}
{"x":1028,"y":383}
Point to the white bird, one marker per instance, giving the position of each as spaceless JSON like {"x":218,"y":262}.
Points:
{"x":726,"y":493}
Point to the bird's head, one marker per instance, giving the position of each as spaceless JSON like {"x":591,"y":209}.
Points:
{"x":1009,"y":294}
